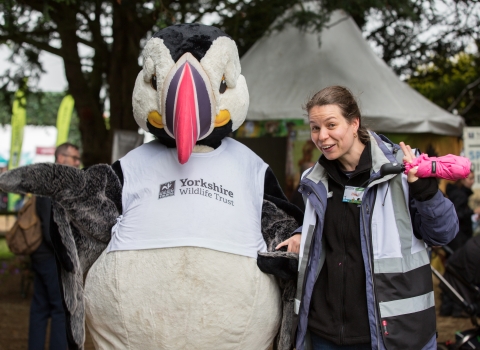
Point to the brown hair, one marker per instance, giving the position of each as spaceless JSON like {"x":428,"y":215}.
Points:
{"x":343,"y":98}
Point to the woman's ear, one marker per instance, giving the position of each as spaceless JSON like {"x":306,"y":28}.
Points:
{"x":356,"y":123}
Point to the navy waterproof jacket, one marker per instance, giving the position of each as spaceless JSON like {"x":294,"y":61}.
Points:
{"x":395,"y":230}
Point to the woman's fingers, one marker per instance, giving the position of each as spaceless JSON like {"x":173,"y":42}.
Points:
{"x":405,"y":152}
{"x":293,"y":244}
{"x":408,"y":156}
{"x":412,"y":174}
{"x":283,"y":244}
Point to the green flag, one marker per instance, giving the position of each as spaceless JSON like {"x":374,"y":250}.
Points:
{"x":19,"y":117}
{"x":64,"y":116}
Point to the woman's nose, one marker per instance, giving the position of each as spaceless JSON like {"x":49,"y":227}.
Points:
{"x":323,"y":134}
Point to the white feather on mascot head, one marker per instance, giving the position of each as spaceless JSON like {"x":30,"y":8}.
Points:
{"x":172,"y":233}
{"x":190,"y":88}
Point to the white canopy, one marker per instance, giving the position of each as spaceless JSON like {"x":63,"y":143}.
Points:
{"x":285,"y":68}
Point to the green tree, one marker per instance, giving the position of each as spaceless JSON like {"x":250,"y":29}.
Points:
{"x":115,"y":30}
{"x":452,"y":83}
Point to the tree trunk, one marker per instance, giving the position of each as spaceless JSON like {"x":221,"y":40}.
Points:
{"x":122,"y":72}
{"x":95,"y":140}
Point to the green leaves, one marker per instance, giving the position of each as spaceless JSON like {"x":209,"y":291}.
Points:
{"x":452,"y":83}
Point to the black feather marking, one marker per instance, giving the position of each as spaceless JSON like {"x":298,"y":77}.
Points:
{"x":194,"y":38}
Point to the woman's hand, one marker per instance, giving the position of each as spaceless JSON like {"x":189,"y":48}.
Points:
{"x":408,"y":157}
{"x":293,"y":244}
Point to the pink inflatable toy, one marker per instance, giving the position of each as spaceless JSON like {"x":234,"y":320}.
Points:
{"x":448,"y":167}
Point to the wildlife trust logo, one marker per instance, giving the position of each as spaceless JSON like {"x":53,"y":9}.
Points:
{"x":167,"y":189}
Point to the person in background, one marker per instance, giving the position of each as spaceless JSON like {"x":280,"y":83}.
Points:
{"x":463,"y":263}
{"x":47,"y":300}
{"x":459,"y":193}
{"x":365,"y":273}
{"x":297,"y":198}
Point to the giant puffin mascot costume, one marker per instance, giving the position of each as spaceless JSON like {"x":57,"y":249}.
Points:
{"x":170,"y":234}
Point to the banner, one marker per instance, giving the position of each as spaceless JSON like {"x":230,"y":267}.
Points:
{"x":471,"y":144}
{"x":64,"y":116}
{"x":19,"y":118}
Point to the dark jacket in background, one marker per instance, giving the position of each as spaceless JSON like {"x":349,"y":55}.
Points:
{"x":466,"y":263}
{"x":44,"y":210}
{"x":47,"y":299}
{"x":459,"y":197}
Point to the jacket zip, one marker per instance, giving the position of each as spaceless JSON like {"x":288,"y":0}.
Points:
{"x":342,"y":329}
{"x":342,"y":334}
{"x":368,"y":242}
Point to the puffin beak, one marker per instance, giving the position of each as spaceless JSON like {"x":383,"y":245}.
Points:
{"x":189,"y":105}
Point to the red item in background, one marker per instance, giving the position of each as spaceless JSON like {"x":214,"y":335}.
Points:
{"x":449,"y":167}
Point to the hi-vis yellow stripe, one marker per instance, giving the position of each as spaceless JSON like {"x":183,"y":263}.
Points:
{"x":64,"y":116}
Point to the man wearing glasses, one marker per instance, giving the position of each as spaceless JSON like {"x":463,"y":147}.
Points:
{"x":47,"y":300}
{"x":67,"y":154}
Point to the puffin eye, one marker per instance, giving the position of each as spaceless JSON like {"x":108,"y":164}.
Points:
{"x":223,"y":85}
{"x":153,"y":81}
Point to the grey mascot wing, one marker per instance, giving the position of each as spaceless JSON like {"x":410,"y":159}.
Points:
{"x":86,"y":205}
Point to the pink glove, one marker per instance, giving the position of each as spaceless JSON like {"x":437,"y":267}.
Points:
{"x":448,"y":167}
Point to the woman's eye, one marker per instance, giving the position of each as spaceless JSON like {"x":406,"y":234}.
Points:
{"x":153,"y":81}
{"x":223,"y":85}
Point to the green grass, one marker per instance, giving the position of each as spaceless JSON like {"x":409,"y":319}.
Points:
{"x":5,"y":253}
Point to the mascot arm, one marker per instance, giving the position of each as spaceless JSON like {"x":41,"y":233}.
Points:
{"x":280,"y":218}
{"x":277,"y":226}
{"x":85,"y":207}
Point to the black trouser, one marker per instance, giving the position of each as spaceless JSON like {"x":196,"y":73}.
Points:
{"x":46,"y":303}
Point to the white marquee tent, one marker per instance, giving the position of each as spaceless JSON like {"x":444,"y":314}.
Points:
{"x":284,"y":68}
{"x":38,"y":144}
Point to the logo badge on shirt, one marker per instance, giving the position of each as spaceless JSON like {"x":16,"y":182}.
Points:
{"x":353,"y":194}
{"x":167,"y":189}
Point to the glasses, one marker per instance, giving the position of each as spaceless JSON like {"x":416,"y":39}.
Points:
{"x":75,"y":158}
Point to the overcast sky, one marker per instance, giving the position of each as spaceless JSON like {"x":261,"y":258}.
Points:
{"x":52,"y":80}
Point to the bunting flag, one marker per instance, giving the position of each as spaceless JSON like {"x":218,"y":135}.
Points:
{"x":64,"y":116}
{"x":19,"y":117}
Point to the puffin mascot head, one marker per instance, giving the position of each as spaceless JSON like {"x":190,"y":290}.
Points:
{"x":190,"y":91}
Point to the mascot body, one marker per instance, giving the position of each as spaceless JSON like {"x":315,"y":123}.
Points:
{"x":170,"y":234}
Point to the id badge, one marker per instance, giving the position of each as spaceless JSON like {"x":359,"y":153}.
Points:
{"x":353,"y":194}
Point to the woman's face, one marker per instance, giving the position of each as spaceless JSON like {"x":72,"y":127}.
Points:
{"x":469,"y":181}
{"x":331,"y":132}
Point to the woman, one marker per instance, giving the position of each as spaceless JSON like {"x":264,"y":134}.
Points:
{"x":458,"y":193}
{"x":364,"y":274}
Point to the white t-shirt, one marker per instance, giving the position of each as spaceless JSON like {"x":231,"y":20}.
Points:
{"x":213,"y":201}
